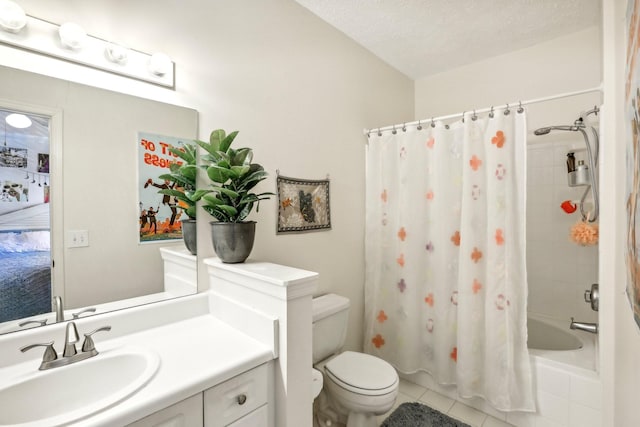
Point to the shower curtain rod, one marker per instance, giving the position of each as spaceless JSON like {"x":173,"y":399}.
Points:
{"x":484,"y":110}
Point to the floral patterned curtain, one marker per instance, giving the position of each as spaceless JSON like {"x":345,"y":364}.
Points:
{"x":446,"y":287}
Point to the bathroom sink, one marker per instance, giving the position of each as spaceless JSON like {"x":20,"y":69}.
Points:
{"x":69,"y":393}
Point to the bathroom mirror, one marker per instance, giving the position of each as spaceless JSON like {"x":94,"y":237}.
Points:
{"x":94,"y":191}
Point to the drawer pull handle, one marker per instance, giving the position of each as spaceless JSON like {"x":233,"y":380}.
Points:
{"x":242,"y":398}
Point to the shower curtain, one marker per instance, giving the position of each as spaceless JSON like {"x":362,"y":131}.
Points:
{"x":446,"y":281}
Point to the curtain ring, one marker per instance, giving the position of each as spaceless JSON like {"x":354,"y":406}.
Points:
{"x":520,"y":109}
{"x":404,"y":127}
{"x":432,"y":123}
{"x":463,"y":113}
{"x":506,"y":111}
{"x":394,"y":131}
{"x":379,"y":133}
{"x":491,"y":113}
{"x":446,"y":126}
{"x":419,"y":125}
{"x":474,"y":117}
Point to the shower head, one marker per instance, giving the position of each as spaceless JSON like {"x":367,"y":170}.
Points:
{"x":544,"y":131}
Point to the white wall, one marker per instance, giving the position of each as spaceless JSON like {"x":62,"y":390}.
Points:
{"x":566,"y":64}
{"x":299,"y":92}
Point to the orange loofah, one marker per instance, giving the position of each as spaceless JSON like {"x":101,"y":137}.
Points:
{"x":584,"y":233}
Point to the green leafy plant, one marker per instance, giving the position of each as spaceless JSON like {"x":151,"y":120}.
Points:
{"x":183,"y":178}
{"x":233,"y":176}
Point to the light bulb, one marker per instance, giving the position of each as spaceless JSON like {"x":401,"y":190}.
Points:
{"x":72,"y":35}
{"x":12,"y":17}
{"x":19,"y":121}
{"x":159,"y":64}
{"x":116,"y":53}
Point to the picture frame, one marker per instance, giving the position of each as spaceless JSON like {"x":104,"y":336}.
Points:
{"x":303,"y":205}
{"x":43,"y":163}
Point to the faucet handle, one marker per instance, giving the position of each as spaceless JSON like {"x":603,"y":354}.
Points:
{"x":86,"y":310}
{"x":33,"y":322}
{"x":88,"y":344}
{"x":49,"y":353}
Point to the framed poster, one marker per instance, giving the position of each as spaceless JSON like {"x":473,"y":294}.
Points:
{"x":159,"y":214}
{"x":303,"y":205}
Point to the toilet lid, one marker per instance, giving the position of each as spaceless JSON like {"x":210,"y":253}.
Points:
{"x":362,"y":373}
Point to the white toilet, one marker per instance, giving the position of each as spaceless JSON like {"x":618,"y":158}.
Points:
{"x":358,"y":386}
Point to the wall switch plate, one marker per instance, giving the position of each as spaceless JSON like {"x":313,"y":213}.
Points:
{"x":77,"y":238}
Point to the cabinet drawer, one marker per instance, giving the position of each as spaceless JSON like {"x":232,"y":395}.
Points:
{"x":257,"y":418}
{"x":234,"y":398}
{"x":187,"y":413}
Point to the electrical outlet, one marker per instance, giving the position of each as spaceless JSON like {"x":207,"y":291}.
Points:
{"x":77,"y":238}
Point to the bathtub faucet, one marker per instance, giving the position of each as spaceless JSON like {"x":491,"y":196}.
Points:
{"x":589,"y":327}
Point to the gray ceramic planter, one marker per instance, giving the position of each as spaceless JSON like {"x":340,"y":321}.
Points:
{"x":233,"y":241}
{"x":190,"y":235}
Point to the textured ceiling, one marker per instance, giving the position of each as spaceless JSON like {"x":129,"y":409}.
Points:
{"x":424,"y":37}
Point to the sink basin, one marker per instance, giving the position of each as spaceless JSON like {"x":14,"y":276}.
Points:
{"x":69,"y":393}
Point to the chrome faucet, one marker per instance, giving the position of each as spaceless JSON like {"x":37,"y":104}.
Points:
{"x":589,"y":327}
{"x":57,"y":304}
{"x":70,"y":353}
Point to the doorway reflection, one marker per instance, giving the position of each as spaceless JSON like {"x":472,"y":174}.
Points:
{"x":25,"y":217}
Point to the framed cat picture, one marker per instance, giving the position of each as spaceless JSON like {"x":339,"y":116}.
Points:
{"x":303,"y":205}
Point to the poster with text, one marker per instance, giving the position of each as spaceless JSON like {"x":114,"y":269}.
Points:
{"x":159,"y":214}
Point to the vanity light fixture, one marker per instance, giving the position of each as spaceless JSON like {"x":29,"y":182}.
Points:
{"x":12,"y":17}
{"x":72,"y":35}
{"x":70,"y":42}
{"x":18,"y":121}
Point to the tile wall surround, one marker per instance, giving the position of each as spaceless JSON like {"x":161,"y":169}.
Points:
{"x":558,"y":270}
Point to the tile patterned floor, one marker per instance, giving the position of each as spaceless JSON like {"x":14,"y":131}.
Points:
{"x":410,"y":392}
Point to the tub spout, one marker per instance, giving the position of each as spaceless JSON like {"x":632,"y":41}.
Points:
{"x":589,"y":327}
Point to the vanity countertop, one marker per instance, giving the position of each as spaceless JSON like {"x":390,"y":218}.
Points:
{"x":195,"y":353}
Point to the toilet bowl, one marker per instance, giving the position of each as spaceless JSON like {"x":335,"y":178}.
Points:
{"x":316,"y":382}
{"x":358,"y":386}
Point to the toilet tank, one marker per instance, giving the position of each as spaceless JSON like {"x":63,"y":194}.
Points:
{"x":330,"y":319}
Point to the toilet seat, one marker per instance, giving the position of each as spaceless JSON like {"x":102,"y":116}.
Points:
{"x":362,"y":374}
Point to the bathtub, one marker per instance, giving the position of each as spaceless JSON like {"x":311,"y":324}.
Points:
{"x":567,"y":388}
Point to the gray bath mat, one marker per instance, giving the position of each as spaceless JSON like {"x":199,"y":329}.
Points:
{"x":416,"y":415}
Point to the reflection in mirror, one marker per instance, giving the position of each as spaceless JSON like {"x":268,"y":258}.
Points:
{"x":25,"y":240}
{"x":98,"y":261}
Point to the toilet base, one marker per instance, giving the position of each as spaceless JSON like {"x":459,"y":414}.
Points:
{"x":362,"y":420}
{"x":329,"y":412}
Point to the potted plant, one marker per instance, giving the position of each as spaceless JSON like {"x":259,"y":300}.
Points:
{"x":229,"y":198}
{"x":182,"y":176}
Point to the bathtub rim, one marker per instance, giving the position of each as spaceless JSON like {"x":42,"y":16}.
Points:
{"x":585,"y":358}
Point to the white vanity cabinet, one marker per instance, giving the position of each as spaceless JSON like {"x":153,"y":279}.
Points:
{"x":241,"y":401}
